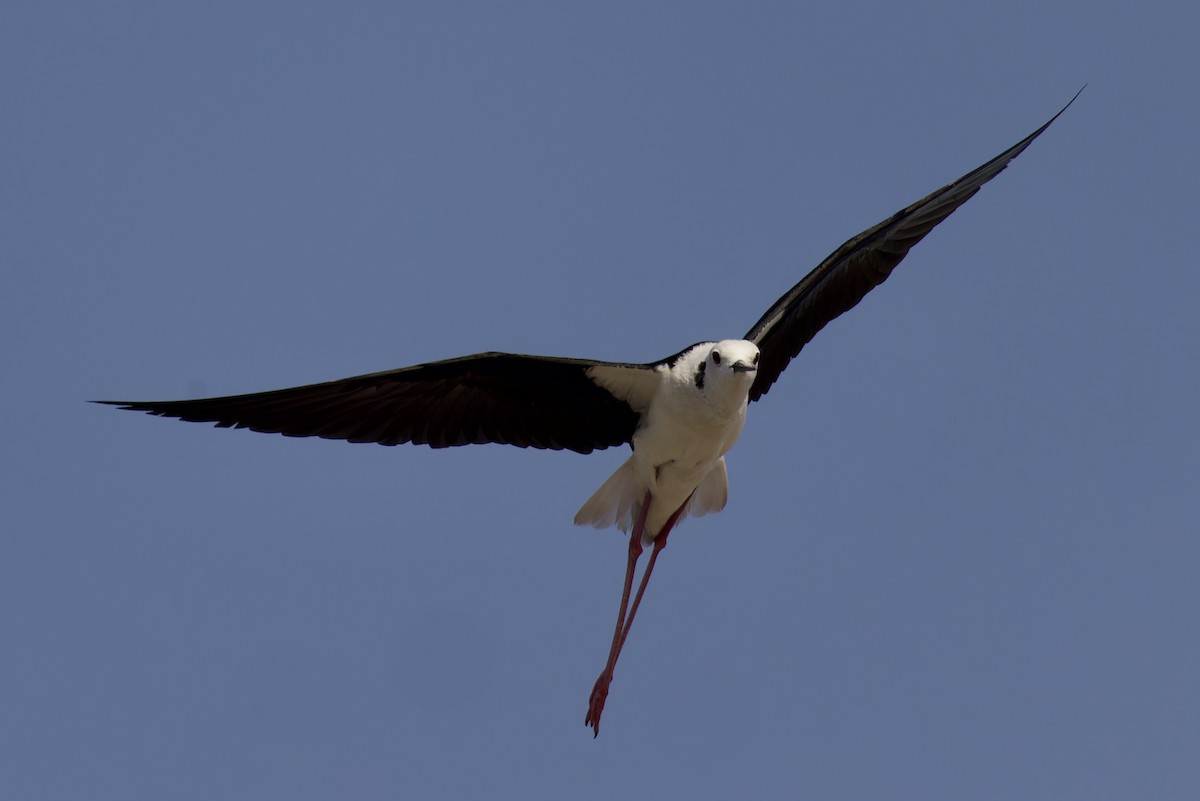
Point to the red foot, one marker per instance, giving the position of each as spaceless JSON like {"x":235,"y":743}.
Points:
{"x":596,"y":702}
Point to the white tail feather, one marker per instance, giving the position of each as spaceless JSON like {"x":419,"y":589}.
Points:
{"x":712,"y":493}
{"x":616,"y":502}
{"x":619,"y":499}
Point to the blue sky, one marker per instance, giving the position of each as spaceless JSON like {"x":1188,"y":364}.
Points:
{"x":960,"y":555}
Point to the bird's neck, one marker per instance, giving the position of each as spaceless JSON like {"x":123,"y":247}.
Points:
{"x":723,"y":394}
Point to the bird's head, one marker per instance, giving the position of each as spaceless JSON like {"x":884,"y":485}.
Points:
{"x":737,"y":356}
{"x":729,"y":365}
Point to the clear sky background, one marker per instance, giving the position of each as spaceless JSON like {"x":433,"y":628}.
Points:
{"x":961,"y":552}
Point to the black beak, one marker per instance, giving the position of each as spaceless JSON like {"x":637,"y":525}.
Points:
{"x":742,"y":367}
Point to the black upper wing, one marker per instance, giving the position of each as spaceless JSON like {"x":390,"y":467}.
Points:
{"x":527,"y":401}
{"x":860,"y":265}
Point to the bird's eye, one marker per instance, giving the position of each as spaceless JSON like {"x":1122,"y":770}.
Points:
{"x":756,"y":358}
{"x":716,"y":357}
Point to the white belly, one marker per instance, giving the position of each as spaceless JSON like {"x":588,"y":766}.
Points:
{"x":674,"y":453}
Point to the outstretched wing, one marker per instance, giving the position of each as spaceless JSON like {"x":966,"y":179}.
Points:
{"x":527,"y":401}
{"x":860,"y":265}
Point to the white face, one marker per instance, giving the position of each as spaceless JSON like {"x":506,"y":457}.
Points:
{"x":735,"y":355}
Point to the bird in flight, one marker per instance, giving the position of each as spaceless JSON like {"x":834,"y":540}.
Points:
{"x":679,"y":415}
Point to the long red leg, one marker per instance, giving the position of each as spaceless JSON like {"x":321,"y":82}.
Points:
{"x":600,"y":689}
{"x":660,"y":542}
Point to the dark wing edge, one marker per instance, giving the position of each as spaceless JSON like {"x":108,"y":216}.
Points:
{"x":864,"y":262}
{"x":513,"y":399}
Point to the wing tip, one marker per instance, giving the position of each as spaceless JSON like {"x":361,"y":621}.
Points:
{"x":125,"y":405}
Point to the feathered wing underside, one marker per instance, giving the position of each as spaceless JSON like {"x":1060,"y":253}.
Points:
{"x":858,"y":266}
{"x":527,"y":401}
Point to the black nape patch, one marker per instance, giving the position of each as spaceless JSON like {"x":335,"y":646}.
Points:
{"x":700,"y":374}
